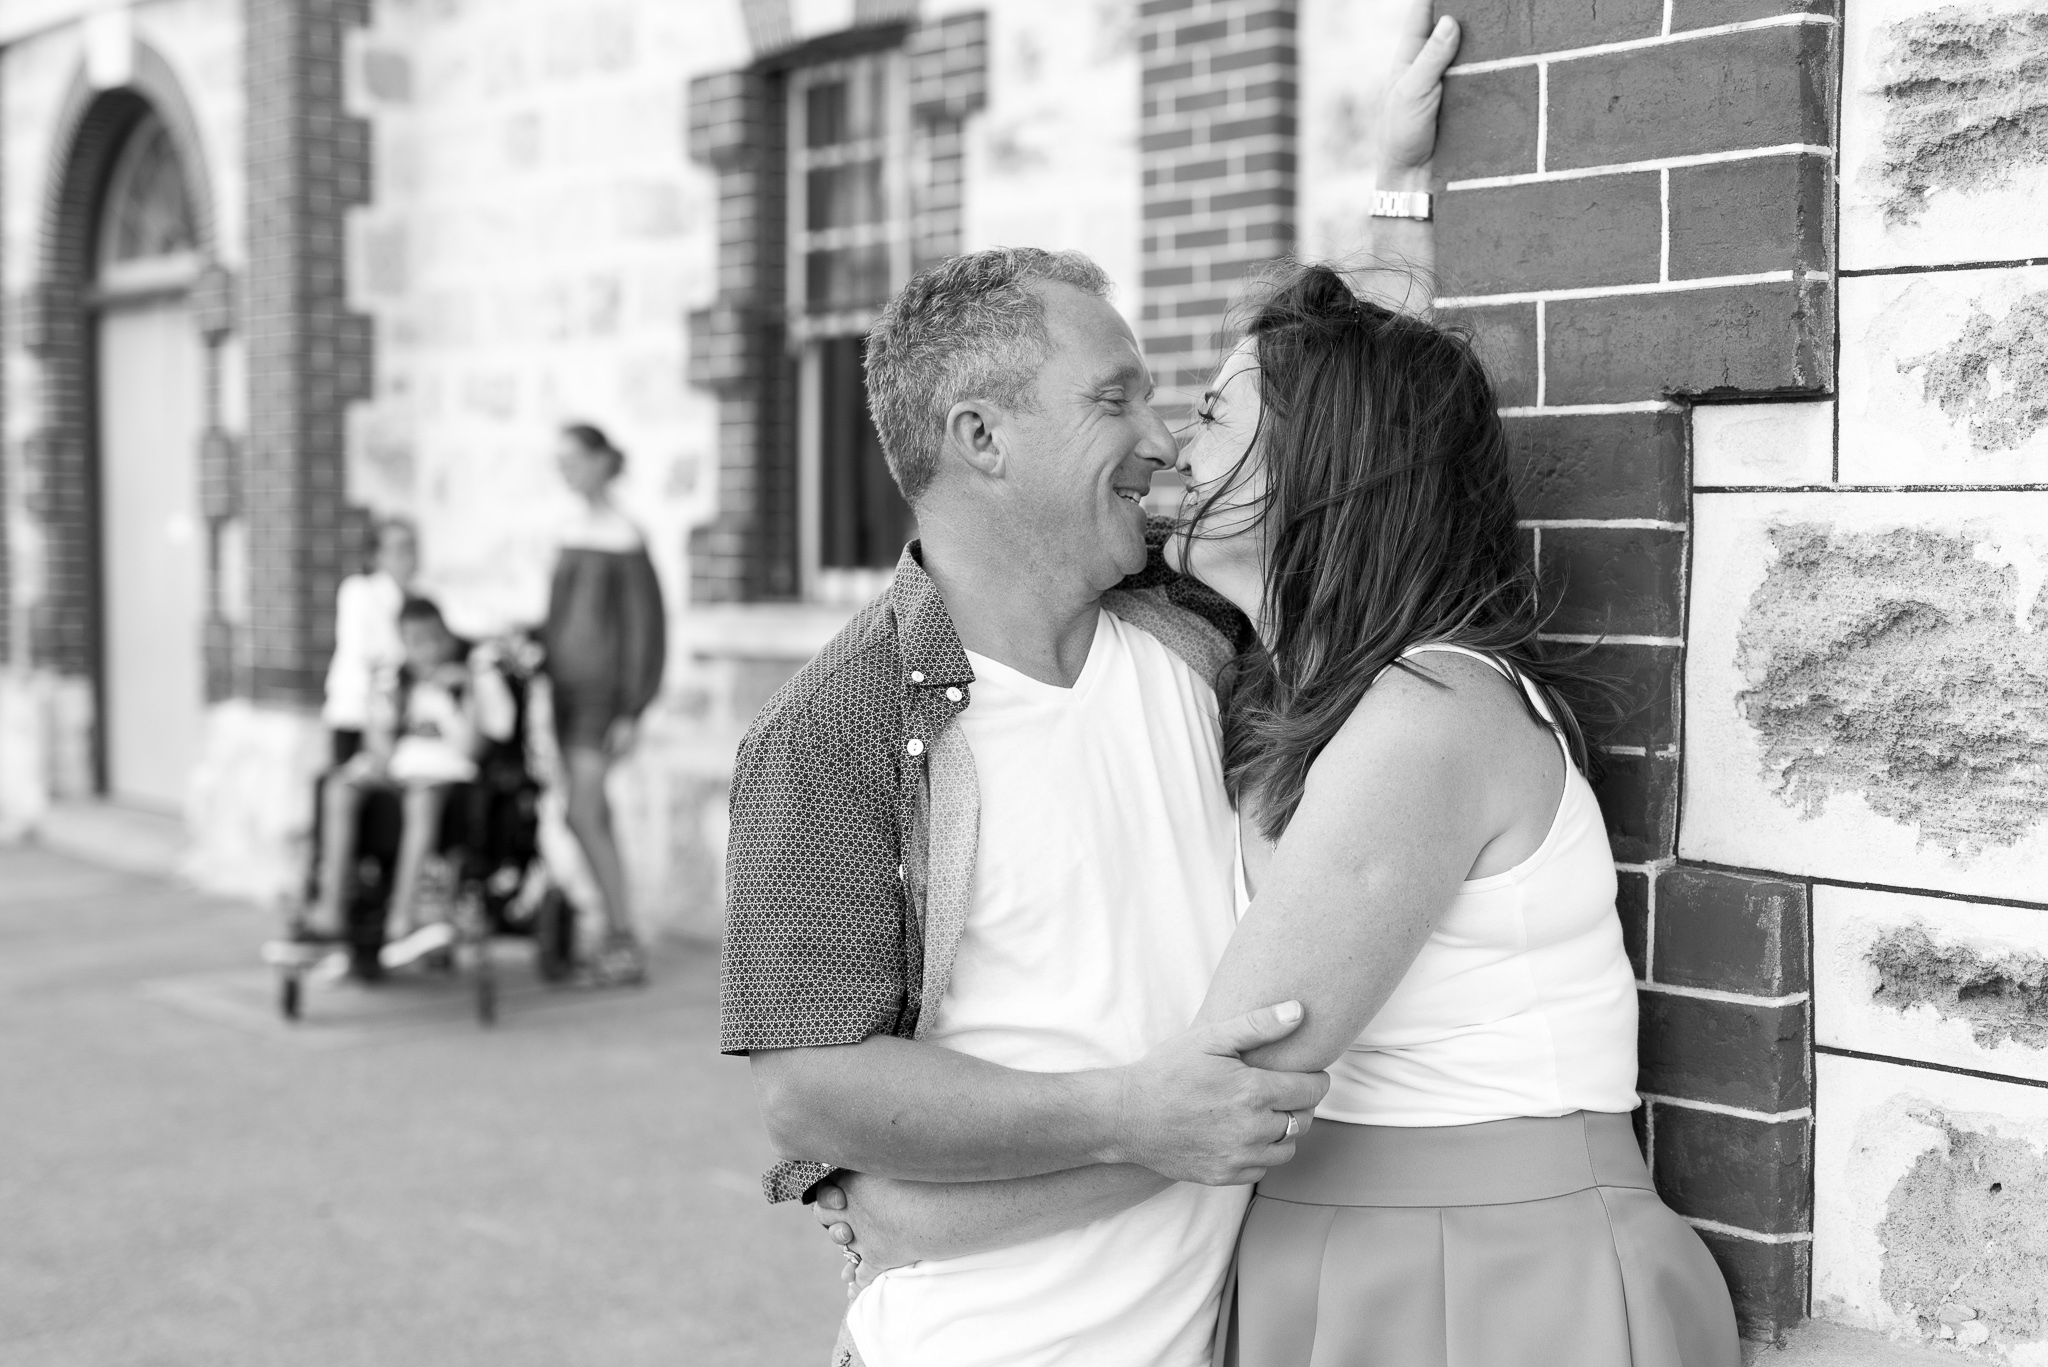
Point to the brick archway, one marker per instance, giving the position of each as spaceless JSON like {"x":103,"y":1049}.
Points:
{"x":93,"y":126}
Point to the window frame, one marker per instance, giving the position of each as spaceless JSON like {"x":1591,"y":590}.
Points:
{"x":807,"y":329}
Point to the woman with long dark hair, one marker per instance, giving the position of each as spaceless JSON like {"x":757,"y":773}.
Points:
{"x":606,"y":643}
{"x":1427,"y":872}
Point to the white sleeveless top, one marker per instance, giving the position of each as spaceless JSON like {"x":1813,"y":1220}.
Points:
{"x":1522,"y":1001}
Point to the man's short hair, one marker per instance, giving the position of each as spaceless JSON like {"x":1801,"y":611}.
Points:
{"x":969,"y":327}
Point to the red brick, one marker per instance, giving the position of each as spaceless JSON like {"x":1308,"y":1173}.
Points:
{"x":1691,"y":14}
{"x":1740,"y":1054}
{"x":1750,"y":1174}
{"x":1767,"y":1281}
{"x":1626,"y":694}
{"x":1488,"y":124}
{"x":1601,"y":465}
{"x":1755,"y":339}
{"x":1512,"y":28}
{"x":1623,"y":581}
{"x":1731,"y":932}
{"x":1756,"y":88}
{"x":1562,"y":234}
{"x":1638,"y":796}
{"x":1504,"y":336}
{"x":1632,"y":905}
{"x":1745,"y":217}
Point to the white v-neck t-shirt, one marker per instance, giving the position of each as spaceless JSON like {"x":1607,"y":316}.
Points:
{"x":1103,"y":899}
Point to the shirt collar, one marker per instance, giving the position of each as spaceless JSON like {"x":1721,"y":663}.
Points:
{"x":932,"y":654}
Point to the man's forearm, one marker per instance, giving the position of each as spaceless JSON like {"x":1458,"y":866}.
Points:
{"x":898,"y":1108}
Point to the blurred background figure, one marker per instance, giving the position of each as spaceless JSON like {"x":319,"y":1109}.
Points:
{"x":366,"y":636}
{"x":606,"y":644}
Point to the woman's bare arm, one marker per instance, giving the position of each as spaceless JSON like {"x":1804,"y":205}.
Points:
{"x":1397,"y":811}
{"x":1404,"y":250}
{"x":891,"y":1223}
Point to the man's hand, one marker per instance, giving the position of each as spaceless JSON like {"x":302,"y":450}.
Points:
{"x":1193,"y":1111}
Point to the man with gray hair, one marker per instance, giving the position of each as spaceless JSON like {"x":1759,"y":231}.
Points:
{"x":981,"y":858}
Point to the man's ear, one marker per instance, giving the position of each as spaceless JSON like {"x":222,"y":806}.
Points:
{"x":972,"y":436}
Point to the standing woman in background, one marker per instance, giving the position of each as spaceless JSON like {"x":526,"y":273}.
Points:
{"x":606,"y":643}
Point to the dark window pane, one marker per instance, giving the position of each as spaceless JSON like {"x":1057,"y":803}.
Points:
{"x":863,"y":520}
{"x":151,"y":215}
{"x":846,"y":277}
{"x":825,"y":114}
{"x":842,"y":196}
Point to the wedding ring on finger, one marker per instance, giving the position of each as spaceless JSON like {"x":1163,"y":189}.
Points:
{"x":852,"y":1256}
{"x":1293,"y":1127}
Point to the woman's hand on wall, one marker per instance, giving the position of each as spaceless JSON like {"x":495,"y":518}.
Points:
{"x":1423,"y":50}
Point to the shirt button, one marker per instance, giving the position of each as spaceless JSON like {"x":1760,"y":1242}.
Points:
{"x":915,"y":746}
{"x":952,"y":695}
{"x":917,"y":676}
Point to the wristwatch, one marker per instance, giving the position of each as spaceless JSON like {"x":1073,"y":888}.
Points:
{"x":1401,"y":204}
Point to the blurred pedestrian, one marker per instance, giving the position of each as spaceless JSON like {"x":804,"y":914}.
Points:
{"x":366,"y":640}
{"x":606,"y":645}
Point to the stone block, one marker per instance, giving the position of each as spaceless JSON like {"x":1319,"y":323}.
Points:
{"x":1867,"y":688}
{"x":1746,"y":217}
{"x":1559,"y":234}
{"x":1731,"y":932}
{"x":1932,"y":1203}
{"x":1945,"y":378}
{"x":1518,"y":27}
{"x":1751,"y":444}
{"x":1504,"y":336}
{"x":1488,"y":124}
{"x":1944,"y":132}
{"x":1751,"y":339}
{"x":1620,"y":581}
{"x":1598,"y":465}
{"x":1735,"y":1053}
{"x":1767,"y":1280}
{"x":1754,"y":88}
{"x":1932,"y":979}
{"x":1733,"y":1170}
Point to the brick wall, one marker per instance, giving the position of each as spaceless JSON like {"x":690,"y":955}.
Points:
{"x":1636,"y":219}
{"x":309,"y":357}
{"x":1218,"y":144}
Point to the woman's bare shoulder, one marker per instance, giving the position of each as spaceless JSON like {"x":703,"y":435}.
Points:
{"x":1445,"y":710}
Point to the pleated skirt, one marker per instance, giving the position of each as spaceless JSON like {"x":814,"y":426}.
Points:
{"x":1514,"y":1243}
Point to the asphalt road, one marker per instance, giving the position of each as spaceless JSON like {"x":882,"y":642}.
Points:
{"x":185,"y":1179}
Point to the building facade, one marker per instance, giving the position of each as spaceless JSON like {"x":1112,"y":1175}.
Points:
{"x":1757,"y":280}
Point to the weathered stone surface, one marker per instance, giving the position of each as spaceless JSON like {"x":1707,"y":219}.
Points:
{"x":1841,"y":696}
{"x":1933,"y":979}
{"x":1773,"y":444}
{"x":1875,"y":668}
{"x":1945,"y":378}
{"x":1932,"y":1191}
{"x":1944,"y":132}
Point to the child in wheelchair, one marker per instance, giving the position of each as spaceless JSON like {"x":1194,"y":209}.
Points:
{"x":429,"y":722}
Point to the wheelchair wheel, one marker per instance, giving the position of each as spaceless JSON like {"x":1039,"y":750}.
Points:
{"x":288,"y":996}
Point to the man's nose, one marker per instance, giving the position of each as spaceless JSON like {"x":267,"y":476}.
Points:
{"x":1157,"y":445}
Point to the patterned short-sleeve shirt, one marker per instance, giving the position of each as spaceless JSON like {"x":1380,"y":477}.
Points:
{"x":850,"y":855}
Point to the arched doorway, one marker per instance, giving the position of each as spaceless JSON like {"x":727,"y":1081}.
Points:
{"x":148,"y":377}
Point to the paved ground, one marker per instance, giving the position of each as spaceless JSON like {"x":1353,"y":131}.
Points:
{"x":186,"y":1180}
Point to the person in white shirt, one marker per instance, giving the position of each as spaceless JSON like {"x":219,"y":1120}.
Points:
{"x":366,"y":640}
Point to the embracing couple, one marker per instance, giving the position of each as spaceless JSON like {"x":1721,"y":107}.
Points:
{"x":1101,"y":869}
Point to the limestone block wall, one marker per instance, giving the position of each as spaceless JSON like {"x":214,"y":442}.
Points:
{"x":1867,"y":684}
